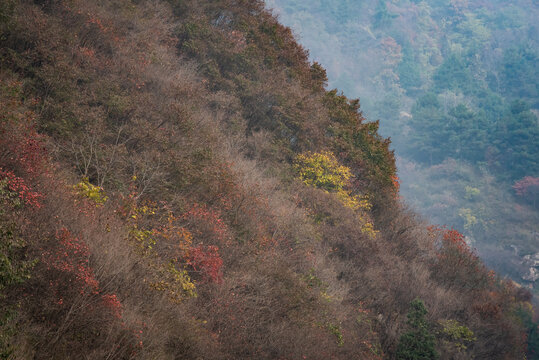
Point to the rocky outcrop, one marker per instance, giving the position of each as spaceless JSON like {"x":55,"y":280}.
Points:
{"x":531,"y":262}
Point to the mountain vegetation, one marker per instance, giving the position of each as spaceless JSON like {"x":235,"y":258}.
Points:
{"x":456,"y":86}
{"x":177,"y":183}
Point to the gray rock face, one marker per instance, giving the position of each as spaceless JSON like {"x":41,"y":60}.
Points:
{"x":531,"y":262}
{"x":532,"y":275}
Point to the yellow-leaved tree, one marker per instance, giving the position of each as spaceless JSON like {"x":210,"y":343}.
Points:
{"x":323,"y":170}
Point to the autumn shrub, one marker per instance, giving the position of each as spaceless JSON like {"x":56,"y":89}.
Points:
{"x":66,"y":295}
{"x":457,"y":265}
{"x":163,"y":249}
{"x":207,"y":223}
{"x":23,"y":149}
{"x":172,"y":246}
{"x":323,"y":171}
{"x":207,"y":262}
{"x":90,"y":191}
{"x":70,"y":258}
{"x":528,"y":187}
{"x":457,"y":335}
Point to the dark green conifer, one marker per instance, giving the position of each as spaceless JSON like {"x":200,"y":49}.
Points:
{"x":418,"y":343}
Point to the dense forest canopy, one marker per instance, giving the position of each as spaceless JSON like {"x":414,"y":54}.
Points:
{"x":177,"y":182}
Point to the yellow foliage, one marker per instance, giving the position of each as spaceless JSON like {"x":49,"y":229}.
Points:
{"x":323,"y":171}
{"x":460,"y":335}
{"x":175,"y":281}
{"x":183,"y":236}
{"x":138,"y":211}
{"x":354,"y":202}
{"x":471,"y":192}
{"x":367,"y":228}
{"x":143,"y":240}
{"x":90,"y":191}
{"x":167,"y":275}
{"x":469,"y":219}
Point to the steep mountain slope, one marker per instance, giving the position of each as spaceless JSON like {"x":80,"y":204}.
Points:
{"x":176,"y":183}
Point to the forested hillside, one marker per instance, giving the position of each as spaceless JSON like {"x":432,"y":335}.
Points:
{"x":455,"y":84}
{"x":176,"y":182}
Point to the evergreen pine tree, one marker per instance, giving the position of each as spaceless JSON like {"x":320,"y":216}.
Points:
{"x":418,"y":343}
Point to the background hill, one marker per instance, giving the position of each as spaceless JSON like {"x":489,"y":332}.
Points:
{"x":177,"y":183}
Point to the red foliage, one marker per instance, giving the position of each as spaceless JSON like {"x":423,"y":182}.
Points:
{"x":23,"y":191}
{"x":528,"y":187}
{"x":93,"y":20}
{"x":24,"y":146}
{"x":396,"y":185}
{"x":23,"y":154}
{"x":457,"y":264}
{"x":391,"y":50}
{"x":207,"y":219}
{"x":112,"y":302}
{"x":70,"y":257}
{"x":488,"y":310}
{"x":237,"y":39}
{"x":454,"y":238}
{"x":31,"y":151}
{"x":207,"y":261}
